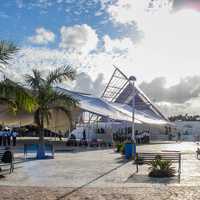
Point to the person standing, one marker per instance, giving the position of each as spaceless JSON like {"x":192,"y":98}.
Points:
{"x":84,"y":135}
{"x":14,"y":137}
{"x":1,"y":137}
{"x":4,"y":137}
{"x":60,"y":135}
{"x":8,"y":137}
{"x":179,"y":136}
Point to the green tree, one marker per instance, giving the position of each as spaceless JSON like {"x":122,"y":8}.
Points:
{"x":48,"y":98}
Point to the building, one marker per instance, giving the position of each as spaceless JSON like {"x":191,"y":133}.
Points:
{"x":189,"y":130}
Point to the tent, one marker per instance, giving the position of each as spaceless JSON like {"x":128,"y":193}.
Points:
{"x":112,"y":110}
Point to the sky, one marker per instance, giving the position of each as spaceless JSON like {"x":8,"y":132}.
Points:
{"x":155,"y":40}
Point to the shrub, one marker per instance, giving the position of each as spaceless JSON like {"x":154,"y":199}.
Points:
{"x":161,"y":168}
{"x":118,"y":147}
{"x":122,"y":149}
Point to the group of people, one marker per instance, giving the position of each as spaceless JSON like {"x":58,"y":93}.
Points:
{"x":143,"y":137}
{"x":140,"y":137}
{"x":8,"y":137}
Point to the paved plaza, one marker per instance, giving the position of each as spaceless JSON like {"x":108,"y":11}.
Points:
{"x":104,"y":173}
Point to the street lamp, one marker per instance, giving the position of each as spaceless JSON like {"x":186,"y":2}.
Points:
{"x":132,"y":80}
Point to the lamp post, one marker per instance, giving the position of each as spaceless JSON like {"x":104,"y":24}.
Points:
{"x":132,"y":80}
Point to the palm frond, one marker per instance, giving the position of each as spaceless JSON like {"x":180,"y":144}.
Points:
{"x":61,"y":99}
{"x":13,"y":91}
{"x":60,"y":74}
{"x":7,"y":49}
{"x":34,"y":81}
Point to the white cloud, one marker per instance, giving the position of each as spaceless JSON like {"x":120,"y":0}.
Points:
{"x":171,"y":39}
{"x":3,"y":15}
{"x":78,"y":38}
{"x":42,"y":36}
{"x":86,"y":84}
{"x":46,"y":59}
{"x":185,"y":90}
{"x":43,"y":59}
{"x":20,"y":3}
{"x":117,"y":45}
{"x":59,"y":1}
{"x":129,"y":11}
{"x":191,"y":107}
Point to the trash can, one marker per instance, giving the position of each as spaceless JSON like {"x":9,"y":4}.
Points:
{"x":130,"y":150}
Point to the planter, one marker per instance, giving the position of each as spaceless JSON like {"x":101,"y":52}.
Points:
{"x":130,"y":150}
{"x":162,"y":173}
{"x":43,"y":151}
{"x":40,"y":151}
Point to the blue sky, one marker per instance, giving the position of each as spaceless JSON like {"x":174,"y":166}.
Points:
{"x":23,"y":18}
{"x":20,"y":19}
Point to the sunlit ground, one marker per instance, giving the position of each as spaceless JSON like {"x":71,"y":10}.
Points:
{"x":74,"y":169}
{"x":101,"y":174}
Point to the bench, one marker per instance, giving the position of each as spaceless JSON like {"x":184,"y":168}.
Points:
{"x":4,"y":166}
{"x":146,"y":158}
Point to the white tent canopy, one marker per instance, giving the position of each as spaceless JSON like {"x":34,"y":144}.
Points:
{"x":114,"y":111}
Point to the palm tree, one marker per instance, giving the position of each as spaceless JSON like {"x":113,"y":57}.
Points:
{"x":7,"y":50}
{"x":40,"y":97}
{"x":48,"y":98}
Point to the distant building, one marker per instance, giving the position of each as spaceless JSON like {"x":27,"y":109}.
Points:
{"x":190,"y":130}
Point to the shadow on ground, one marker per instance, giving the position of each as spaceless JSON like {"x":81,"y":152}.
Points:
{"x":121,"y":160}
{"x":144,"y":178}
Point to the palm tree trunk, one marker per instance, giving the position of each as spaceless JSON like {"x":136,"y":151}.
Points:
{"x":41,"y":144}
{"x":41,"y":131}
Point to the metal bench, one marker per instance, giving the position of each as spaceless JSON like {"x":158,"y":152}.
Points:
{"x":146,"y":158}
{"x":6,"y":166}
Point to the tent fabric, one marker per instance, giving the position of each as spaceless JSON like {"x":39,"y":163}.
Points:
{"x":142,"y":102}
{"x":144,"y":116}
{"x":114,"y":111}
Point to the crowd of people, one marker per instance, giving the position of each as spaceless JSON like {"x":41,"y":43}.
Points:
{"x":8,"y":137}
{"x":142,"y":137}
